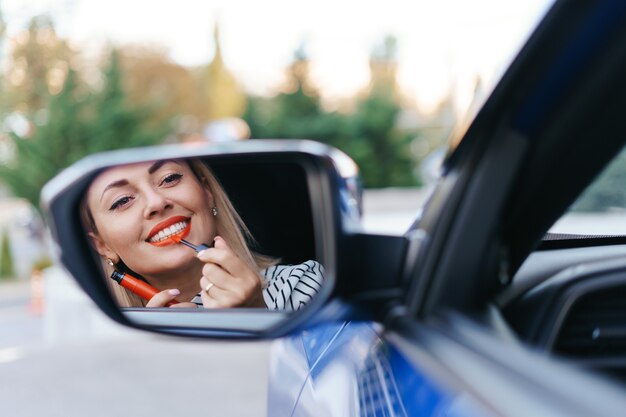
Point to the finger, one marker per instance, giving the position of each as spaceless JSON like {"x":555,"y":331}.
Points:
{"x":185,"y":305}
{"x":223,"y":255}
{"x":204,"y":284}
{"x":212,"y":290}
{"x":162,"y":298}
{"x":234,"y":279}
{"x":224,"y":300}
{"x":240,"y":289}
{"x":217,"y":297}
{"x":207,"y":301}
{"x":218,"y":276}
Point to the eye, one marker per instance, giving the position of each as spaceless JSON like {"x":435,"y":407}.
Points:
{"x":171,"y":179}
{"x":121,"y":202}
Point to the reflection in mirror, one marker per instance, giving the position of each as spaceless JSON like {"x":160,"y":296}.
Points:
{"x":176,"y":233}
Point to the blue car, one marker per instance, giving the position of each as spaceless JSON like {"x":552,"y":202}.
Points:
{"x":481,"y":308}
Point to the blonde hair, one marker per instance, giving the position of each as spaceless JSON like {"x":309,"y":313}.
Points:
{"x":229,"y":225}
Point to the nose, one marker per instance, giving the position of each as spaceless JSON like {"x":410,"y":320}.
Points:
{"x":156,"y":202}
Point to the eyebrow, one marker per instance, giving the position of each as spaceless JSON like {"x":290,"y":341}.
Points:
{"x":120,"y":183}
{"x":156,"y":166}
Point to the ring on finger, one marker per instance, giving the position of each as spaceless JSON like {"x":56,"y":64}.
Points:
{"x":208,"y":287}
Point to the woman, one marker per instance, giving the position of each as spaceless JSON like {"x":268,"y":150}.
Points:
{"x":133,"y":214}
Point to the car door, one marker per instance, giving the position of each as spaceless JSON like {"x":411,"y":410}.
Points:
{"x":444,"y":347}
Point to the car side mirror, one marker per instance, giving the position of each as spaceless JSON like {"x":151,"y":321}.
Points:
{"x":295,"y":197}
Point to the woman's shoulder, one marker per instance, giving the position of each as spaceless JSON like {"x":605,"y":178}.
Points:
{"x":290,"y":287}
{"x":308,"y":267}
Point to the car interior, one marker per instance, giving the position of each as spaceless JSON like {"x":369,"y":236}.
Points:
{"x":279,"y":216}
{"x":569,"y":299}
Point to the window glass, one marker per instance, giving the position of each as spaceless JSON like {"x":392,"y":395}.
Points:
{"x":601,"y":209}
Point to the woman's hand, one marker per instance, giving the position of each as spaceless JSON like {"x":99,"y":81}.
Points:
{"x":164,"y":297}
{"x":227,"y":281}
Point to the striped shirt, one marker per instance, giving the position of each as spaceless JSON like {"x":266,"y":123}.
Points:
{"x":288,"y":287}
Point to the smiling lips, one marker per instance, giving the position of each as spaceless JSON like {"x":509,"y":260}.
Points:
{"x":163,"y":234}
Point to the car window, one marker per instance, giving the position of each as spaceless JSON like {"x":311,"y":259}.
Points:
{"x":601,"y":209}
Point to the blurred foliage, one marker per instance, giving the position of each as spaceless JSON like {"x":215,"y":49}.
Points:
{"x":188,"y":96}
{"x":114,"y":123}
{"x":152,"y":79}
{"x":75,"y":123}
{"x":42,"y":263}
{"x":5,"y":105}
{"x":38,"y":64}
{"x":52,"y":146}
{"x":222,"y":96}
{"x":377,"y":146}
{"x":55,"y":109}
{"x":295,"y":113}
{"x":369,"y":134}
{"x":6,"y":257}
{"x":608,"y":191}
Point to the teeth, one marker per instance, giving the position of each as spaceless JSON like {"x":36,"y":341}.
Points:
{"x":168,"y":231}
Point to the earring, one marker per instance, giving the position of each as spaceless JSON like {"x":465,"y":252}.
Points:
{"x":214,"y":211}
{"x":110,"y":262}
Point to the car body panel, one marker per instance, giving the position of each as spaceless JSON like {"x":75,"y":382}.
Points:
{"x":350,"y":369}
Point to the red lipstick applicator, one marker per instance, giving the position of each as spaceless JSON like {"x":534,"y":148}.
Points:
{"x":137,"y":286}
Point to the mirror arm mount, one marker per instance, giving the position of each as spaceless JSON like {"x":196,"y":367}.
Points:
{"x":371,"y":269}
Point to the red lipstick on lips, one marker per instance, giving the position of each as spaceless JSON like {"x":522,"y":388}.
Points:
{"x":165,"y":224}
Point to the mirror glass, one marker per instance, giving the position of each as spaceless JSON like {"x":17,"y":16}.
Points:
{"x":196,"y":235}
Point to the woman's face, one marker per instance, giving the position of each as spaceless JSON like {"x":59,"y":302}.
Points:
{"x":138,"y":208}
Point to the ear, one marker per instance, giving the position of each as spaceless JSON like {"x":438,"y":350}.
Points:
{"x":209,"y":195}
{"x":102,"y":248}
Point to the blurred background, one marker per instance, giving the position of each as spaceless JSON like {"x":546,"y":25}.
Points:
{"x":393,"y":84}
{"x":389,"y":83}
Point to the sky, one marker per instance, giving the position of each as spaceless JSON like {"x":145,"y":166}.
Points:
{"x":443,"y":45}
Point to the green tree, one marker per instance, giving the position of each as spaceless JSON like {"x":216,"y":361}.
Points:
{"x":369,"y":135}
{"x":78,"y":123}
{"x":39,"y":61}
{"x":114,"y":123}
{"x":381,"y":151}
{"x":377,"y":146}
{"x":6,"y":257}
{"x":54,"y":145}
{"x":296,"y":112}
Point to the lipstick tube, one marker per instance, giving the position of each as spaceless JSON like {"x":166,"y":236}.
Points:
{"x":137,"y":286}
